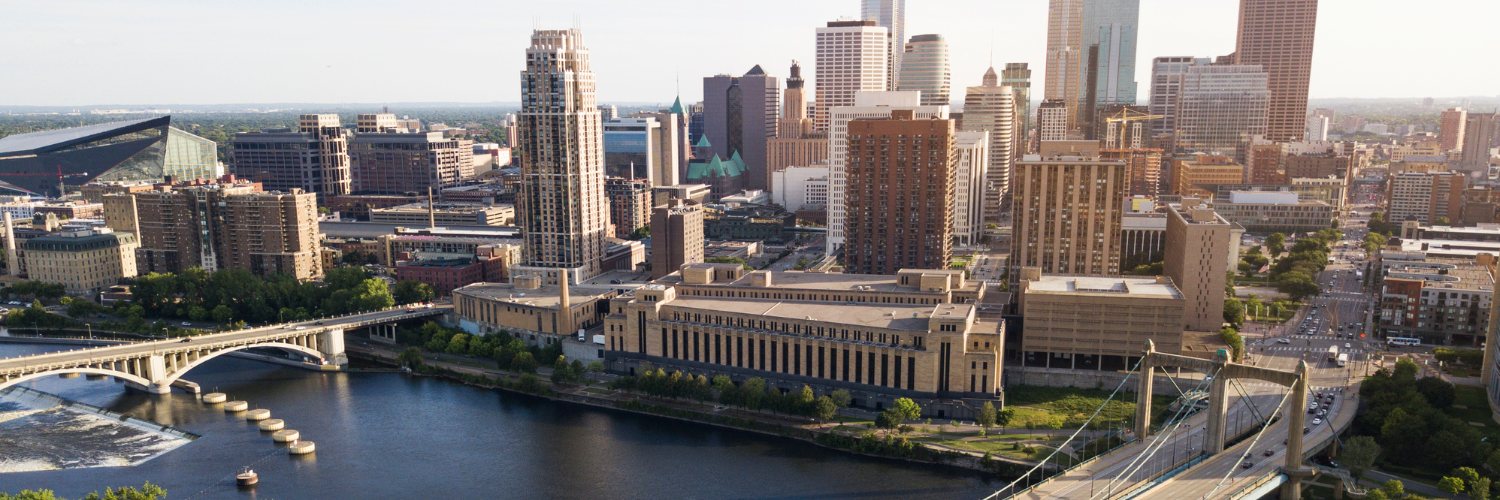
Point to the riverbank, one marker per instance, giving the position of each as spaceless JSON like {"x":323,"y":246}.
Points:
{"x":832,"y":435}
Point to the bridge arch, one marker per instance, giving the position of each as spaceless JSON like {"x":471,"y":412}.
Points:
{"x":82,"y":369}
{"x":172,"y":377}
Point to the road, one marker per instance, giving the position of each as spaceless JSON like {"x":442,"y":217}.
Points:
{"x":10,"y":364}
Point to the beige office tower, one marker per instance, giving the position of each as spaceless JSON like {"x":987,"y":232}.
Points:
{"x":991,"y":107}
{"x":1277,"y":35}
{"x":1068,"y":205}
{"x":677,"y":236}
{"x":1052,"y":121}
{"x":561,"y":206}
{"x":1478,"y":131}
{"x":1064,"y":52}
{"x":271,"y":233}
{"x":924,"y":68}
{"x":866,"y":105}
{"x":1196,"y":243}
{"x":852,"y":57}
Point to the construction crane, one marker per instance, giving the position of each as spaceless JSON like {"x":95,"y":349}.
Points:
{"x":1116,"y":128}
{"x":61,"y":188}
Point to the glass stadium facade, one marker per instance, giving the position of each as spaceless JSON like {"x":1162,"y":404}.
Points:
{"x":136,"y":150}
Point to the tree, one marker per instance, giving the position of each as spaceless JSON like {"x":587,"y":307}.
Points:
{"x":841,"y":398}
{"x":147,"y":491}
{"x":411,"y":357}
{"x":1480,"y":490}
{"x":1004,"y":417}
{"x":908,"y":408}
{"x":81,"y":308}
{"x":412,"y":292}
{"x":825,"y":408}
{"x":1394,"y":489}
{"x":1299,"y":285}
{"x":1467,"y":475}
{"x":1231,"y":337}
{"x":1376,"y":495}
{"x":596,"y":367}
{"x":1234,"y":312}
{"x":1275,"y":244}
{"x":640,"y":233}
{"x":986,"y":415}
{"x":888,"y":419}
{"x":1358,"y":454}
{"x":459,"y":344}
{"x":1451,"y":485}
{"x":1373,"y":241}
{"x":1441,"y":221}
{"x":524,"y":362}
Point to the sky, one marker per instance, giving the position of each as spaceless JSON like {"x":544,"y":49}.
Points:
{"x":137,"y":52}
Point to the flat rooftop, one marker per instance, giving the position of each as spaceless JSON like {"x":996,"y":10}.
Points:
{"x":822,"y":281}
{"x":1139,"y":287}
{"x":909,"y":317}
{"x":546,"y":296}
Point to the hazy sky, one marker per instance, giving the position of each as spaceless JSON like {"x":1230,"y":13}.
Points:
{"x":373,"y":51}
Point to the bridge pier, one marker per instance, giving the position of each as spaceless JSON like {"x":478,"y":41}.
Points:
{"x":1218,"y":408}
{"x":1143,"y":394}
{"x":331,"y":344}
{"x":1297,"y":416}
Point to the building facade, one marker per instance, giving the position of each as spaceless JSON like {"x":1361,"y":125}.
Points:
{"x":1439,"y":301}
{"x":924,"y":68}
{"x":891,"y":15}
{"x":1167,"y":74}
{"x":1095,"y":323}
{"x":313,"y":159}
{"x":676,"y":236}
{"x":1276,"y":212}
{"x":1068,"y":206}
{"x":992,"y":108}
{"x":85,"y":262}
{"x":561,"y":208}
{"x":740,"y":114}
{"x":879,"y":337}
{"x":1197,"y":241}
{"x":866,"y":105}
{"x":970,"y":198}
{"x":1277,"y":36}
{"x":1017,"y":76}
{"x":900,"y":197}
{"x":402,"y":163}
{"x":1191,"y":174}
{"x":1425,"y":197}
{"x":853,"y":56}
{"x":629,"y":204}
{"x":1220,"y":108}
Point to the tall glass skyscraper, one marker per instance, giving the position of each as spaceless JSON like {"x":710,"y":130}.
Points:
{"x":1017,"y":76}
{"x":1091,"y":56}
{"x":1220,"y":108}
{"x":925,"y":69}
{"x":891,"y":15}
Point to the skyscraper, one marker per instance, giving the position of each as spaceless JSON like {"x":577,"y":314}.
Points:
{"x":1277,"y":35}
{"x":891,"y":15}
{"x":795,"y":145}
{"x":852,"y":57}
{"x":1068,"y":204}
{"x":1109,"y":39}
{"x":387,"y":159}
{"x":1197,"y":240}
{"x":1451,"y":129}
{"x":1166,"y":86}
{"x":1064,"y":52}
{"x":561,"y":207}
{"x":1052,"y":121}
{"x":1017,"y":76}
{"x":1317,"y":128}
{"x":901,"y":173}
{"x":924,"y":68}
{"x":969,"y":186}
{"x":677,"y":237}
{"x":1220,"y":108}
{"x":739,"y":115}
{"x":866,"y":105}
{"x":991,"y":107}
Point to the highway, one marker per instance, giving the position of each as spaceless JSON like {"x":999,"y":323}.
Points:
{"x":142,"y":348}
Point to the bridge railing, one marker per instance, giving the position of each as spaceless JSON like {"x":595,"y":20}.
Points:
{"x":1236,"y":494}
{"x":1065,"y":472}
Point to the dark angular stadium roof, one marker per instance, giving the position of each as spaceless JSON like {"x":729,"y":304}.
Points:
{"x":52,"y":140}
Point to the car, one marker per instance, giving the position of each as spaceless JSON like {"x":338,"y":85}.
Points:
{"x":1318,"y":394}
{"x":1283,"y":341}
{"x":287,"y":327}
{"x":186,"y":340}
{"x":319,"y":322}
{"x":1247,"y":465}
{"x":410,"y":310}
{"x":1306,"y":430}
{"x":301,"y":328}
{"x":615,"y":282}
{"x":100,"y":315}
{"x":1270,"y":452}
{"x":1317,"y":420}
{"x":1346,"y":345}
{"x":184,"y":323}
{"x":1313,"y":410}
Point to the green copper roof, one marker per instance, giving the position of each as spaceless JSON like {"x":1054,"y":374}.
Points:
{"x":717,"y":167}
{"x":703,"y":142}
{"x":677,"y":106}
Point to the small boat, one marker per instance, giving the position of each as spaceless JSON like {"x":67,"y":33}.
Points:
{"x":246,"y":477}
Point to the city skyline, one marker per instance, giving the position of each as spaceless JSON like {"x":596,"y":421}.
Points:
{"x":59,"y":53}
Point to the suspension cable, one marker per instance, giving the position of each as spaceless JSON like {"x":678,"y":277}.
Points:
{"x":1172,"y":424}
{"x":1085,"y":425}
{"x":1253,"y":442}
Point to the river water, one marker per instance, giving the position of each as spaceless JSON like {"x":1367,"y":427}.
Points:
{"x":388,"y":435}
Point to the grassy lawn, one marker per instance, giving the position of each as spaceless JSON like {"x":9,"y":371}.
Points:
{"x":1065,"y":408}
{"x":1477,"y":409}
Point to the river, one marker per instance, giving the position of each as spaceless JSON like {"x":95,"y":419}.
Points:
{"x":388,"y":435}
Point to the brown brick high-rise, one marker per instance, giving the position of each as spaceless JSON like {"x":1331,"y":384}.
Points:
{"x":901,"y":172}
{"x":1278,"y":35}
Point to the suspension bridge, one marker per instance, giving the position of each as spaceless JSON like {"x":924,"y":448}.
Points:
{"x":1251,"y":441}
